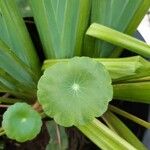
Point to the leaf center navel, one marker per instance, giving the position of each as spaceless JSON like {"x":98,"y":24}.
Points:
{"x":75,"y":87}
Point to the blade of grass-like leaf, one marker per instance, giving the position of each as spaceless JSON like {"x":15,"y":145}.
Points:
{"x":4,"y":88}
{"x":19,"y":71}
{"x":139,"y":14}
{"x":9,"y":100}
{"x":129,"y":116}
{"x":61,"y":25}
{"x":134,"y":92}
{"x":14,"y":84}
{"x":124,"y":69}
{"x":117,"y":125}
{"x":119,"y":39}
{"x":9,"y":60}
{"x":15,"y":35}
{"x":143,"y":79}
{"x":122,"y":15}
{"x":120,"y":69}
{"x":103,"y":137}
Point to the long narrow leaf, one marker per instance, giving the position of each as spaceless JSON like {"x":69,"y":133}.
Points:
{"x":61,"y":25}
{"x":120,"y":69}
{"x":14,"y":33}
{"x":119,"y":39}
{"x":15,"y":68}
{"x":122,"y":15}
{"x":103,"y":137}
{"x":134,"y":92}
{"x":129,"y":116}
{"x":9,"y":100}
{"x":121,"y":129}
{"x":14,"y":85}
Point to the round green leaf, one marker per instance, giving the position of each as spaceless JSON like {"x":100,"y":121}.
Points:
{"x":21,"y":122}
{"x":75,"y":92}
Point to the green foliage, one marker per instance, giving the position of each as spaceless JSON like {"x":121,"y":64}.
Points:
{"x":65,"y":88}
{"x":129,"y":116}
{"x":21,"y":122}
{"x":77,"y":90}
{"x":58,"y":137}
{"x":121,"y":129}
{"x":19,"y":64}
{"x":18,"y":81}
{"x":134,"y":92}
{"x":121,"y":15}
{"x":119,"y":39}
{"x":24,"y":7}
{"x":105,"y":138}
{"x":14,"y":33}
{"x":61,"y":25}
{"x":120,"y":69}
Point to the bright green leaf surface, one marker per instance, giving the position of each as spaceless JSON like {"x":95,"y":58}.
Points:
{"x":21,"y":122}
{"x":74,"y":93}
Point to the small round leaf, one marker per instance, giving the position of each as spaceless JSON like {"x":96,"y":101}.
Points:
{"x":75,"y":92}
{"x":21,"y":122}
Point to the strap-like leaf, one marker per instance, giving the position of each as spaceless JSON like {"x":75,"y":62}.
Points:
{"x":122,"y":15}
{"x":120,"y":69}
{"x":61,"y":25}
{"x":129,"y":116}
{"x":118,"y":126}
{"x":134,"y":92}
{"x":9,"y":100}
{"x":103,"y":137}
{"x":15,"y":70}
{"x":117,"y":38}
{"x":14,"y":33}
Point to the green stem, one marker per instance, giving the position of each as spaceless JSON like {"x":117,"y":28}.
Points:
{"x":2,"y":133}
{"x":117,"y":38}
{"x":103,"y":137}
{"x":9,"y":100}
{"x":129,"y":116}
{"x":121,"y":129}
{"x":1,"y":129}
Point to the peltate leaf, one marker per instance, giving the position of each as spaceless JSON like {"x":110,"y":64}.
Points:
{"x":21,"y":122}
{"x":74,"y":93}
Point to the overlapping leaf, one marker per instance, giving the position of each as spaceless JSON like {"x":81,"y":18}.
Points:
{"x":61,"y":25}
{"x":121,"y":129}
{"x":14,"y":33}
{"x":15,"y":76}
{"x":122,"y":15}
